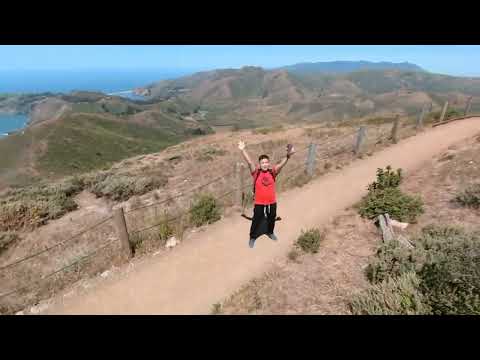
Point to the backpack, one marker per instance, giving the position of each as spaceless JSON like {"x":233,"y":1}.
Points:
{"x":258,"y":174}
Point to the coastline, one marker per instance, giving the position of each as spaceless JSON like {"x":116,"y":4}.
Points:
{"x":5,"y":132}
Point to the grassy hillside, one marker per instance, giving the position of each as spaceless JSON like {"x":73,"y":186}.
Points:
{"x":264,"y":97}
{"x":85,"y":142}
{"x":80,"y":142}
{"x":82,"y":131}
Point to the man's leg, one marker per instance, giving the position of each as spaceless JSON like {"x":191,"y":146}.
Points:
{"x":256,"y":223}
{"x":271,"y":221}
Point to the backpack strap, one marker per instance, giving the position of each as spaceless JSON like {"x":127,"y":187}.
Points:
{"x":256,"y":178}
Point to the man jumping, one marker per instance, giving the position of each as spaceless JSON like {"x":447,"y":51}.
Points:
{"x":265,"y":210}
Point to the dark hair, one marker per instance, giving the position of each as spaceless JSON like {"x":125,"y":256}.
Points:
{"x":261,"y":157}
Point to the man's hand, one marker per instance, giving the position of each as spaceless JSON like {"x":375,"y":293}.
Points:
{"x":241,"y":145}
{"x":290,"y":150}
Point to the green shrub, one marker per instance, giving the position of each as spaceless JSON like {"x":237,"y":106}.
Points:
{"x":309,"y":241}
{"x":386,"y":179}
{"x":394,"y":296}
{"x":165,"y":229}
{"x":204,"y":210}
{"x":385,"y":196}
{"x":453,"y":113}
{"x":30,"y":207}
{"x":470,"y":196}
{"x":451,"y":282}
{"x":435,"y":115}
{"x":123,"y":187}
{"x":398,"y":205}
{"x":393,"y":259}
{"x":446,"y":260}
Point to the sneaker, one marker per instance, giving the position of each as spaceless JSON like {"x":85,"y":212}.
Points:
{"x":272,"y":236}
{"x":251,"y":243}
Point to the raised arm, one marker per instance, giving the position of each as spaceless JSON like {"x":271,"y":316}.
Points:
{"x":241,"y":146}
{"x":281,"y":164}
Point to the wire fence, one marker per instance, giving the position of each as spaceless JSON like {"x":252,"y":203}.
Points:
{"x":338,"y":148}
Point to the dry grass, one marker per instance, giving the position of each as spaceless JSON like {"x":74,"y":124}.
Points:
{"x":38,"y":275}
{"x":326,"y":282}
{"x":183,"y":175}
{"x":318,"y":283}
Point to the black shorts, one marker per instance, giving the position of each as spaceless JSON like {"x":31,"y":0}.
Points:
{"x":263,"y":222}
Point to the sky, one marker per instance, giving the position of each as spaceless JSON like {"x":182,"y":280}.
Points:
{"x":460,"y":60}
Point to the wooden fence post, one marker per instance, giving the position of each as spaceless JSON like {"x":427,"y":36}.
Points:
{"x":311,"y":156}
{"x":239,"y":183}
{"x":122,"y":233}
{"x":444,"y":111}
{"x":386,"y":228}
{"x":467,"y":106}
{"x":394,"y":134}
{"x":419,"y":124}
{"x":360,"y":139}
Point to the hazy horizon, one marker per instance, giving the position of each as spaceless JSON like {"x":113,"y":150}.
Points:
{"x":456,"y":60}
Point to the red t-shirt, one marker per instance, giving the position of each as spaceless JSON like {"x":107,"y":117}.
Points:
{"x":264,"y":187}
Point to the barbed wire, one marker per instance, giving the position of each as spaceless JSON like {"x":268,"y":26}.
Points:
{"x":165,"y":201}
{"x":55,"y":245}
{"x":336,"y":139}
{"x":383,"y":132}
{"x":176,"y":196}
{"x":90,"y":254}
{"x":170,"y":198}
{"x":183,"y":213}
{"x":167,"y":220}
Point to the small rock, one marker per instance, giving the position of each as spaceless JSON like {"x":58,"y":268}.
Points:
{"x":69,"y":294}
{"x":20,"y":313}
{"x":171,"y":243}
{"x":39,"y":308}
{"x":105,"y":274}
{"x":470,"y":162}
{"x":156,"y":253}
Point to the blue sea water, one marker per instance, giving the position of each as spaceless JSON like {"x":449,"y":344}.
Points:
{"x":104,"y":80}
{"x":64,"y":81}
{"x":11,"y":122}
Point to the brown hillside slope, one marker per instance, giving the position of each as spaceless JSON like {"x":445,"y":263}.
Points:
{"x":217,"y":262}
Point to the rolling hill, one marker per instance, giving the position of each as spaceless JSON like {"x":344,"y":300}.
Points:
{"x":252,"y":96}
{"x":84,"y":131}
{"x":342,"y":67}
{"x":79,"y":132}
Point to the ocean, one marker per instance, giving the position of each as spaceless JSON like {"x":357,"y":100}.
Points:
{"x":64,"y":81}
{"x":9,"y":122}
{"x":35,"y":81}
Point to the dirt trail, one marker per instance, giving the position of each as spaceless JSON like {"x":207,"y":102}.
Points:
{"x":215,"y":263}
